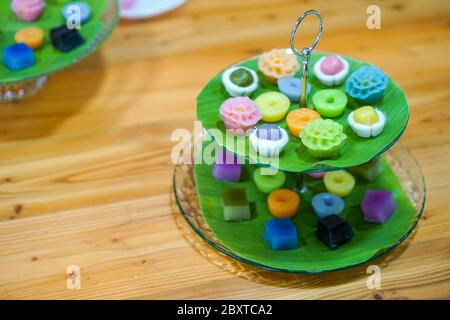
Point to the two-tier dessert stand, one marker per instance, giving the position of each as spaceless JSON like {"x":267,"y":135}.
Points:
{"x":197,"y":192}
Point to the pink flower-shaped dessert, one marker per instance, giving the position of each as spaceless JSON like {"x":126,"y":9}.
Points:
{"x":239,"y":113}
{"x":28,"y":10}
{"x":331,"y":65}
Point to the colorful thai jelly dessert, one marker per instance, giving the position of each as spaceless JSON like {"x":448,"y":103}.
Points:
{"x":330,"y":103}
{"x":65,"y":39}
{"x":73,"y":8}
{"x":334,"y":231}
{"x":283,"y":203}
{"x":31,"y":36}
{"x":297,"y":120}
{"x":268,"y":180}
{"x":323,"y":138}
{"x":367,"y":84}
{"x":325,"y":204}
{"x":235,"y":205}
{"x":273,"y":106}
{"x":331,"y":70}
{"x":378,"y":206}
{"x":367,"y":122}
{"x":369,"y":171}
{"x":227,"y":167}
{"x":28,"y":10}
{"x":18,"y":56}
{"x":339,"y":182}
{"x":239,"y":114}
{"x":240,"y":81}
{"x":277,"y":64}
{"x":269,"y":140}
{"x":292,"y":88}
{"x":316,"y":175}
{"x":281,"y":234}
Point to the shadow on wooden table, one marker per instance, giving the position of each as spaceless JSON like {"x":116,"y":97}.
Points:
{"x":280,"y":279}
{"x":65,"y":94}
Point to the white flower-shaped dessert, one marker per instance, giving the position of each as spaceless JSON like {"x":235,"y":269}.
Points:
{"x":331,"y":70}
{"x":240,"y":81}
{"x":269,"y":140}
{"x":367,"y":121}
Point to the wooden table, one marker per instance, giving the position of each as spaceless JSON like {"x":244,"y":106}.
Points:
{"x":85,"y":170}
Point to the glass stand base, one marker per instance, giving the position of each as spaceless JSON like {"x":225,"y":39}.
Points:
{"x":20,"y":90}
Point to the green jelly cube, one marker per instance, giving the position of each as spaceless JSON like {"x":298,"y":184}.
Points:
{"x":235,"y":205}
{"x":369,"y":171}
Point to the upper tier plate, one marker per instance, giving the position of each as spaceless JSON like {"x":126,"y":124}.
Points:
{"x":294,"y":157}
{"x":105,"y":15}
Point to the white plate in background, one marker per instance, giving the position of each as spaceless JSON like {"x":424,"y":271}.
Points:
{"x":142,"y":9}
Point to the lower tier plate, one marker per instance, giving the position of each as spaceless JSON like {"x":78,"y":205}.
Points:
{"x":198,"y":196}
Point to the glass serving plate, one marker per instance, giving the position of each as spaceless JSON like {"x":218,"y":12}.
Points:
{"x":399,"y":158}
{"x":17,"y":85}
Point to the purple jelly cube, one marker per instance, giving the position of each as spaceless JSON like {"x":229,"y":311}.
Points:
{"x":18,"y":56}
{"x":227,"y":167}
{"x":281,"y":234}
{"x":378,"y":206}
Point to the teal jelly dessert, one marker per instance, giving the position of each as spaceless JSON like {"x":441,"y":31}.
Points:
{"x":367,"y":84}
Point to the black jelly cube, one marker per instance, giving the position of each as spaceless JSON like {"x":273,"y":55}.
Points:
{"x":334,"y":231}
{"x":65,"y":39}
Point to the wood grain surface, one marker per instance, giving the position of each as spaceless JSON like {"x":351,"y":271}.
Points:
{"x":85,"y":170}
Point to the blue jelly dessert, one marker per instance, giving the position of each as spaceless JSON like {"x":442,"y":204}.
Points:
{"x":292,"y":88}
{"x":65,"y":39}
{"x":367,"y":84}
{"x":71,"y":9}
{"x":281,"y":234}
{"x":334,"y":231}
{"x":18,"y":56}
{"x":325,"y":204}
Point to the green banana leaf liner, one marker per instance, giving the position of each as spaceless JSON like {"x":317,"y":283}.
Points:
{"x":294,"y":157}
{"x":245,"y":239}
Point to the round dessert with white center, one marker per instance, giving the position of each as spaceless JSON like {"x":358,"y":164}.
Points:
{"x":269,"y":140}
{"x":240,"y":81}
{"x":331,"y":70}
{"x":367,"y":122}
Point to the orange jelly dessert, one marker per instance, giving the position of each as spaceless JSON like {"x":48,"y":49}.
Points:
{"x":283,"y":203}
{"x":299,"y":118}
{"x":31,"y":36}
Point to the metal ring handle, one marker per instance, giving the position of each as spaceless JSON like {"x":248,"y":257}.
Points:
{"x":306,"y":50}
{"x":305,"y":54}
